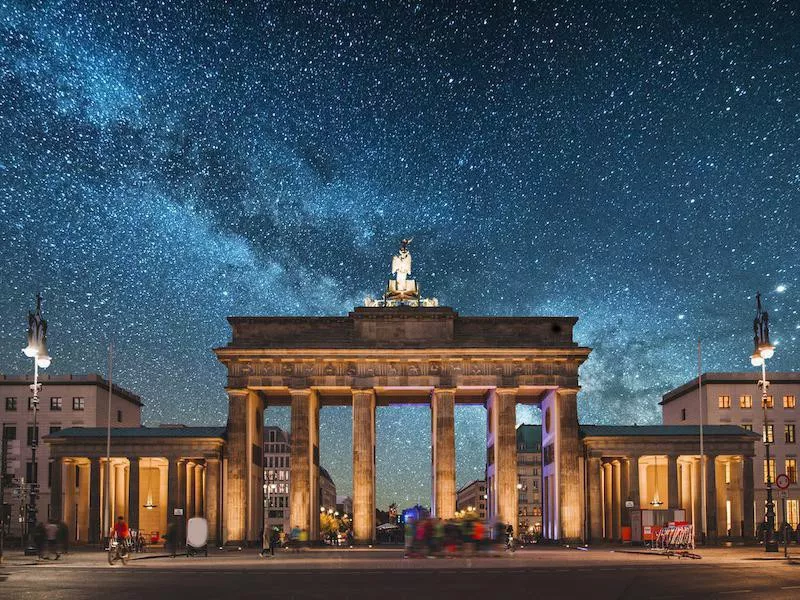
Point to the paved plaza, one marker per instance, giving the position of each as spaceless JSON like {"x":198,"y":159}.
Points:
{"x":600,"y":573}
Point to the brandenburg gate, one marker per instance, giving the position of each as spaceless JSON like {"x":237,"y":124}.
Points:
{"x":402,"y":349}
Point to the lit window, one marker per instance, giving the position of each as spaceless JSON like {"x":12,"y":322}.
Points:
{"x":747,"y":426}
{"x":789,"y":433}
{"x":771,"y":470}
{"x":791,"y":469}
{"x":56,"y":403}
{"x":768,"y":435}
{"x":79,"y":404}
{"x":724,"y":401}
{"x":770,"y":403}
{"x":789,"y":402}
{"x":745,"y":402}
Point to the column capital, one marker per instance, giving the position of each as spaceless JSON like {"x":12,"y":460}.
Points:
{"x":443,"y":392}
{"x":237,"y":392}
{"x":563,"y":391}
{"x":505,"y":391}
{"x":362,"y":393}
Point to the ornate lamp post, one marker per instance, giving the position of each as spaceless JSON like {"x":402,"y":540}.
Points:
{"x":37,"y":350}
{"x":764,"y":350}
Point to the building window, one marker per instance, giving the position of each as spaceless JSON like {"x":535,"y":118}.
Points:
{"x":79,"y":404}
{"x":11,"y":404}
{"x":788,"y":433}
{"x":747,"y":426}
{"x":33,"y":435}
{"x":789,"y":402}
{"x":9,"y":432}
{"x":745,"y":402}
{"x":55,"y":428}
{"x":30,"y":403}
{"x":56,"y":403}
{"x":768,"y":435}
{"x":683,"y":414}
{"x":792,"y":512}
{"x":771,"y":470}
{"x":770,"y":403}
{"x":724,"y":401}
{"x":791,"y":469}
{"x":727,"y":472}
{"x":119,"y":416}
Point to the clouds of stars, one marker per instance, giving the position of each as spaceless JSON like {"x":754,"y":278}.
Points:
{"x":166,"y":164}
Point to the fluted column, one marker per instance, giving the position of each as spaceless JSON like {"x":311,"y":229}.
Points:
{"x":198,"y":490}
{"x":608,"y":501}
{"x":748,"y":496}
{"x":593,"y":468}
{"x":502,"y":445}
{"x":176,"y":494}
{"x":634,"y":490}
{"x":190,"y":489}
{"x":133,"y":492}
{"x":711,"y":495}
{"x":212,"y":496}
{"x":244,"y":485}
{"x":443,"y":457}
{"x":616,"y":493}
{"x":672,"y":481}
{"x":304,"y":489}
{"x":57,"y":490}
{"x":364,"y":465}
{"x":686,"y":489}
{"x":94,"y":502}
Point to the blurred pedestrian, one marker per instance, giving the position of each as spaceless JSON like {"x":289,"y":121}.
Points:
{"x":63,"y":537}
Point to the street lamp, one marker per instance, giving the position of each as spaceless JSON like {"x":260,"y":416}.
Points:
{"x":764,"y":350}
{"x":37,"y":350}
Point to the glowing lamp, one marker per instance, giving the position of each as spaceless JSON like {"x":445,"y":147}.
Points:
{"x":756,"y":360}
{"x":766,"y":351}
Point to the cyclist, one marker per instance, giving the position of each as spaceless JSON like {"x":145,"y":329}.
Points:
{"x":121,"y":531}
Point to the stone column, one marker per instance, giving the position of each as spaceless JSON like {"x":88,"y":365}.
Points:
{"x":502,"y":443}
{"x":364,"y":465}
{"x":244,"y":487}
{"x":686,"y":489}
{"x":625,"y":492}
{"x":304,"y":488}
{"x":198,"y":490}
{"x":735,"y":496}
{"x":616,"y":502}
{"x":236,"y":487}
{"x":57,"y":490}
{"x":594,"y":467}
{"x":68,"y":511}
{"x":608,"y":501}
{"x":133,"y":492}
{"x":711,"y":495}
{"x":748,"y":496}
{"x":120,"y":492}
{"x":443,"y":456}
{"x":633,"y":471}
{"x":211,"y":504}
{"x":561,"y":454}
{"x":190,"y":489}
{"x":176,"y":494}
{"x":672,"y":481}
{"x":697,"y":497}
{"x":95,"y":526}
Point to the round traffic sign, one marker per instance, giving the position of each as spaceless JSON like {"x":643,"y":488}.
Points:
{"x":782,"y":481}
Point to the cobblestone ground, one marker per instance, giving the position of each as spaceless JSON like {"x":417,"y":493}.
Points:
{"x":540,"y":572}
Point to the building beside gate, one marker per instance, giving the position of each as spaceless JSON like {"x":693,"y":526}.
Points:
{"x":65,"y":401}
{"x":735,"y":399}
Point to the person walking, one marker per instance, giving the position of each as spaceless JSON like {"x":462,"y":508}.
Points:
{"x":274,"y":540}
{"x":51,"y":535}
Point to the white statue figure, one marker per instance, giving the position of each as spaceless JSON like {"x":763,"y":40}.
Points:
{"x":401,"y":265}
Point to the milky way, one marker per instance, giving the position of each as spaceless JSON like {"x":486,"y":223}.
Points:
{"x":166,"y":164}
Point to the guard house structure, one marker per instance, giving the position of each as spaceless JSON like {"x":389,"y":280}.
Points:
{"x":404,"y":349}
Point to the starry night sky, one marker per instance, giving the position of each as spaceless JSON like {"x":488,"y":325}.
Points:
{"x":166,"y":164}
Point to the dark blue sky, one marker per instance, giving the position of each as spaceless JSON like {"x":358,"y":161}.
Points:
{"x":166,"y":164}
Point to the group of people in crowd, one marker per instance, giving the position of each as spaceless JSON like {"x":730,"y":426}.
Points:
{"x":51,"y":539}
{"x":436,"y":537}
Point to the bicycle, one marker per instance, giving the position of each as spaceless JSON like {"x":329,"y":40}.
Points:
{"x":118,"y":550}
